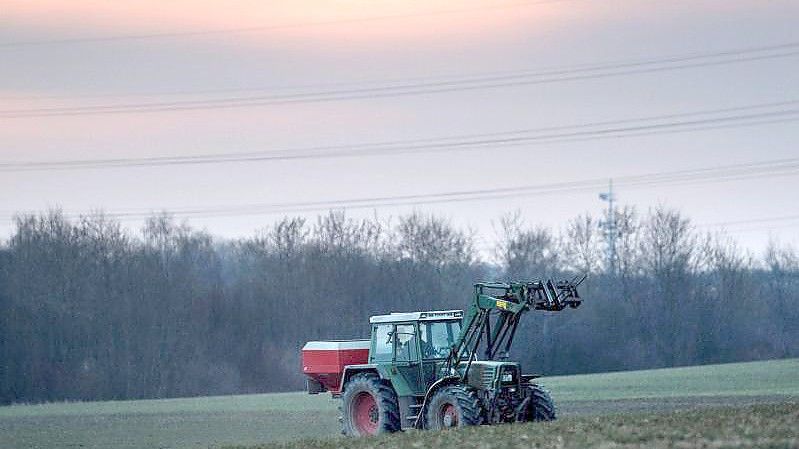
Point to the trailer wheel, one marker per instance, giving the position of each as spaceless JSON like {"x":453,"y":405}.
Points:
{"x":453,"y":406}
{"x":540,"y":407}
{"x":369,"y":406}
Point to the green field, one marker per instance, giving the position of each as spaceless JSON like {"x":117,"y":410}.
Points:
{"x":253,"y":419}
{"x":774,"y":377}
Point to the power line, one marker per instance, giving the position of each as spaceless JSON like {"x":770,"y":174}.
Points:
{"x":265,"y":28}
{"x":345,"y":95}
{"x":782,"y":48}
{"x":422,"y":88}
{"x":752,"y":170}
{"x":545,"y":135}
{"x":451,"y":146}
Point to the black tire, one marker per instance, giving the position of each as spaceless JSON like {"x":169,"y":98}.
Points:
{"x":383,"y":411}
{"x":541,"y":407}
{"x":453,"y":406}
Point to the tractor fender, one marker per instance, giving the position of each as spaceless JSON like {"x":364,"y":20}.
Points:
{"x":351,"y":370}
{"x":437,"y":385}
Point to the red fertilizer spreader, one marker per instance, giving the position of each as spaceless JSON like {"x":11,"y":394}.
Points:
{"x":323,"y":362}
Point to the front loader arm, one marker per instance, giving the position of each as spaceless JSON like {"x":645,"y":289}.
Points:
{"x":506,"y":302}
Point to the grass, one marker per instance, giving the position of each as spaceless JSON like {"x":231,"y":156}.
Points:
{"x":760,"y":426}
{"x":169,"y":423}
{"x":275,"y":402}
{"x":265,"y":418}
{"x":773,"y":377}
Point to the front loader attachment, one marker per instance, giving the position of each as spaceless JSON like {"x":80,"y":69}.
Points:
{"x":556,"y":296}
{"x":507,"y":302}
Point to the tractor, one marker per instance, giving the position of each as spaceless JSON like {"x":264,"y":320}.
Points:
{"x":422,"y":370}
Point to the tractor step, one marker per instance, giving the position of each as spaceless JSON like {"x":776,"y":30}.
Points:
{"x":416,"y":408}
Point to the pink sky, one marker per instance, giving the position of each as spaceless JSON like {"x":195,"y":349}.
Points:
{"x":486,"y":37}
{"x":90,"y":18}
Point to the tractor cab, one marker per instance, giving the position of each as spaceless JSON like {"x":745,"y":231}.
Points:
{"x":415,"y":344}
{"x":414,"y":336}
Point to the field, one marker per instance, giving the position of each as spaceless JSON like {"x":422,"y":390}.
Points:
{"x":751,"y":406}
{"x":760,"y":426}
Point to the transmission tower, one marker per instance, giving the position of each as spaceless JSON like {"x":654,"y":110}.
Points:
{"x":609,"y":227}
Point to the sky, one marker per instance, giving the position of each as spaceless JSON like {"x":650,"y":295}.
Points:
{"x":79,"y":54}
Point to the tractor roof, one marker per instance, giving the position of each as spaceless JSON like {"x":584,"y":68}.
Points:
{"x":395,"y":317}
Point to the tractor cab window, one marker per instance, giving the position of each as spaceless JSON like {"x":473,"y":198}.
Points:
{"x":437,"y":337}
{"x":405,"y":335}
{"x":383,"y":343}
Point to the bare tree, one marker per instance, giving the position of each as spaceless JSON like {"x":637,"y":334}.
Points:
{"x":781,"y":289}
{"x":432,"y":240}
{"x":525,"y":251}
{"x":581,"y":249}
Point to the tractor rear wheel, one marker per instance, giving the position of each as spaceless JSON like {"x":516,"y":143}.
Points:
{"x":453,"y":406}
{"x":541,"y":407}
{"x":368,"y":406}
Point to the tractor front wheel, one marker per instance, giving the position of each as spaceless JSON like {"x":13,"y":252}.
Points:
{"x":540,"y":407}
{"x":453,"y":406}
{"x":369,"y":407}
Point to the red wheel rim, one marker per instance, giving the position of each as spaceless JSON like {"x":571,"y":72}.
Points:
{"x":365,"y":414}
{"x":449,"y":416}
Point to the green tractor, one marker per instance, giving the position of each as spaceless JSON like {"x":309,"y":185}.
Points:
{"x":421,"y":369}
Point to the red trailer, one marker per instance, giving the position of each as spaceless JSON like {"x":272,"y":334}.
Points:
{"x":324,"y":361}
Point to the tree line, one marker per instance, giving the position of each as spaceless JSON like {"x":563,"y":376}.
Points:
{"x":92,"y":311}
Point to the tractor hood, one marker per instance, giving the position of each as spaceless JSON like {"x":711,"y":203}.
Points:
{"x":483,"y":374}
